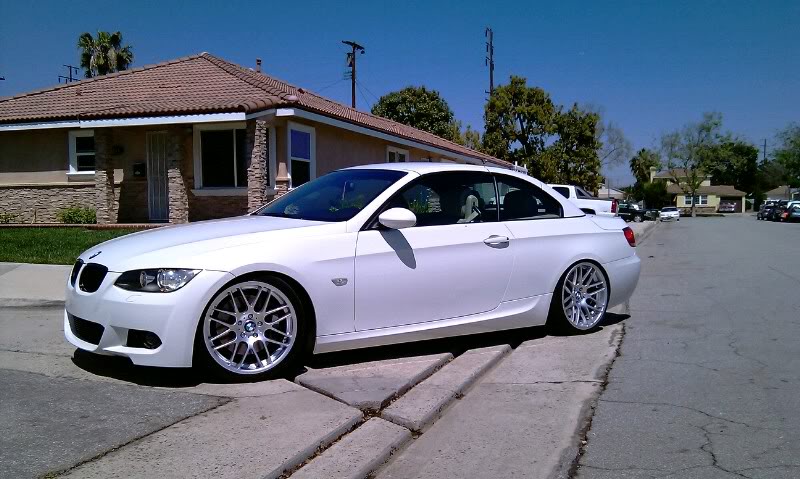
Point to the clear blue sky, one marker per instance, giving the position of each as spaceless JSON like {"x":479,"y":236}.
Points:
{"x":651,"y":65}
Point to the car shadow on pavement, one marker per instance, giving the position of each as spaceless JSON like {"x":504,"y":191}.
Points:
{"x":123,"y":369}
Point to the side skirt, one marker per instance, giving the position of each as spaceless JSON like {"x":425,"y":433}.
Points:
{"x":519,"y":313}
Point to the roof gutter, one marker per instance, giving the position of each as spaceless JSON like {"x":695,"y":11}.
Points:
{"x":120,"y":122}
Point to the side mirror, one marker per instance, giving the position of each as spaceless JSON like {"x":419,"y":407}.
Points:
{"x":397,"y":218}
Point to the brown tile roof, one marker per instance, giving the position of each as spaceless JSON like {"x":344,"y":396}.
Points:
{"x":192,"y":85}
{"x":718,"y":190}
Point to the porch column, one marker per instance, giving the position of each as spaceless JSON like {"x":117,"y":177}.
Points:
{"x":258,"y":170}
{"x":104,"y":176}
{"x":176,"y":185}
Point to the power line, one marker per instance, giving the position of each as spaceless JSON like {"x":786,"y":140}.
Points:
{"x":351,"y":62}
{"x":362,"y":85}
{"x":360,"y":90}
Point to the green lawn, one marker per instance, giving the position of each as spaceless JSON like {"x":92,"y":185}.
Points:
{"x":50,"y":245}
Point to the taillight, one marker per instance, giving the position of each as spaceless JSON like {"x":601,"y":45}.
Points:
{"x":613,"y":205}
{"x":785,"y":214}
{"x":629,"y":236}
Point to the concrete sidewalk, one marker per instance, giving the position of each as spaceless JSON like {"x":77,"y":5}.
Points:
{"x":32,"y":285}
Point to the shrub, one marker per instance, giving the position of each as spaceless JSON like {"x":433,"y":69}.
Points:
{"x":7,"y":218}
{"x":77,"y":215}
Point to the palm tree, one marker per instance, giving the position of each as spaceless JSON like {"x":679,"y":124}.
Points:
{"x":104,"y":54}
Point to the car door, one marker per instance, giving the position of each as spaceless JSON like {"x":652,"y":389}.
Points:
{"x":455,"y":262}
{"x":541,"y":236}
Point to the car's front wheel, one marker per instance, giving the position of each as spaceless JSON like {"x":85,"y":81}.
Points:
{"x":253,"y":328}
{"x":580,"y":299}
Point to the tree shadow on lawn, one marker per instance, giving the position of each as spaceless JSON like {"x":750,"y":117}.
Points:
{"x":124,"y":370}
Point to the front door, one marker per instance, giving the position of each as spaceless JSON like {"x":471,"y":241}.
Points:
{"x":157,"y":196}
{"x":456,"y":262}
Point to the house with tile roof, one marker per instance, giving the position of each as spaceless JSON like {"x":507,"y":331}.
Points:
{"x":708,"y":199}
{"x":188,"y":139}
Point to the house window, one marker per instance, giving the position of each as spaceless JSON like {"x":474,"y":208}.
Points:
{"x":81,"y":152}
{"x":701,"y":200}
{"x":302,"y":154}
{"x":223,"y":158}
{"x":396,"y":155}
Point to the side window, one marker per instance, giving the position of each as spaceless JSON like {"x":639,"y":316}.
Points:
{"x":583,"y":194}
{"x":563,"y":190}
{"x":522,"y":200}
{"x":449,"y":198}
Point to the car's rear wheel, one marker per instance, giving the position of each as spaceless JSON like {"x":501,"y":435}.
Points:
{"x":581,"y":298}
{"x":253,"y":328}
{"x":638,"y":219}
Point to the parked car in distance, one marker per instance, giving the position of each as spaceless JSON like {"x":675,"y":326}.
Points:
{"x":669,"y":213}
{"x":360,"y":257}
{"x":777,"y":210}
{"x":727,"y":207}
{"x":793,"y":214}
{"x":765,"y":210}
{"x":586,"y":202}
{"x":628,"y":213}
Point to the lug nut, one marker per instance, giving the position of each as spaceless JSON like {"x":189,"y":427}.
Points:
{"x":259,"y":323}
{"x":240,"y":323}
{"x":250,"y":316}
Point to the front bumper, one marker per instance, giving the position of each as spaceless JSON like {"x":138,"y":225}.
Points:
{"x":623,"y":275}
{"x":173,"y":317}
{"x":669,"y":218}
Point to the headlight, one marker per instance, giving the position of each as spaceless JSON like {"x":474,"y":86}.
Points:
{"x":164,"y":280}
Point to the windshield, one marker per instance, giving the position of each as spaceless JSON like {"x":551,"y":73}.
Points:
{"x":337,"y":196}
{"x":669,"y":209}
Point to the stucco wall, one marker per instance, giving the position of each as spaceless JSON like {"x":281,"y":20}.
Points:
{"x":34,"y":156}
{"x":713,"y":202}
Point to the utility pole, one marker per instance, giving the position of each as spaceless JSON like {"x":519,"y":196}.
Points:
{"x":70,"y":78}
{"x":764,"y":159}
{"x":351,"y":62}
{"x":490,"y":58}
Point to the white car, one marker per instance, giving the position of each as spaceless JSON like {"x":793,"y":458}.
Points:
{"x":586,"y":202}
{"x":669,"y":213}
{"x":359,"y":257}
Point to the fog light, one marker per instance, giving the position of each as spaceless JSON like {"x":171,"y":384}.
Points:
{"x":142,"y":339}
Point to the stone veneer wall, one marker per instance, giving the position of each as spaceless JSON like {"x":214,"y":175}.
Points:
{"x":41,"y":203}
{"x":212,"y":207}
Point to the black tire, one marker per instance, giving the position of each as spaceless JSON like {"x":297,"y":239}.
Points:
{"x":297,"y":353}
{"x":638,"y":219}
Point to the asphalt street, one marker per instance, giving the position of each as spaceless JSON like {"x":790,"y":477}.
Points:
{"x":707,"y":383}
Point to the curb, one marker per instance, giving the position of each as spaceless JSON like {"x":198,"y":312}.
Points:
{"x":31,"y":303}
{"x":359,"y":453}
{"x":423,"y":404}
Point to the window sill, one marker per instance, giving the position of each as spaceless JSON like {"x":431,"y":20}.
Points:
{"x":220,"y":192}
{"x":80,"y":175}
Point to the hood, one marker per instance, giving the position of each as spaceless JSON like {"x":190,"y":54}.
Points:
{"x":176,"y":246}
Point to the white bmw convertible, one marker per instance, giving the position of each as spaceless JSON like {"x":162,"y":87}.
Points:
{"x":359,"y":257}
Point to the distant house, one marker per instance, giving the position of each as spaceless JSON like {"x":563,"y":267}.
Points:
{"x":608,"y":192}
{"x":708,"y":197}
{"x":185,"y":140}
{"x":784,"y":192}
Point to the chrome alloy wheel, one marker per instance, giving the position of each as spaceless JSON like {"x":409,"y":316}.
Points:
{"x":584,"y":296}
{"x":250,"y":327}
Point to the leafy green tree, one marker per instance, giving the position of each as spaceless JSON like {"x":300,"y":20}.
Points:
{"x":641,"y":163}
{"x":732,"y":162}
{"x":655,"y":194}
{"x":787,"y":155}
{"x":421,"y":108}
{"x":520,"y":122}
{"x":574,"y":154}
{"x":104,"y":54}
{"x":686,"y":151}
{"x":472,"y":139}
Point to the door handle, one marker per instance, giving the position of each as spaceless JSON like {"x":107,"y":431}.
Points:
{"x":495,"y":240}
